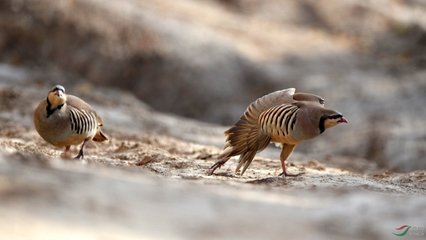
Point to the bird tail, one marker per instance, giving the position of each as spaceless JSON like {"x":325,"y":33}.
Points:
{"x":243,"y":139}
{"x":100,"y":136}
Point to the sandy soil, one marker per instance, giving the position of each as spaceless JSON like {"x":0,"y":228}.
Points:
{"x":149,"y":182}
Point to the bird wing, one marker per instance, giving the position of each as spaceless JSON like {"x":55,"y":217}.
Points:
{"x":284,"y":96}
{"x":78,"y":103}
{"x":270,"y":100}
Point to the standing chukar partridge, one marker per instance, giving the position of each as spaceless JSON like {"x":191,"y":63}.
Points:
{"x":64,"y":120}
{"x":282,"y":117}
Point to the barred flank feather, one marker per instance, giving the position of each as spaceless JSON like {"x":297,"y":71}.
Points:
{"x":82,"y":122}
{"x":279,"y":120}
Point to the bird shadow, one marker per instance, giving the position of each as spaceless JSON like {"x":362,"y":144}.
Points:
{"x":226,"y":174}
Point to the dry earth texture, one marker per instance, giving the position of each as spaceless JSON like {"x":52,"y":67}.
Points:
{"x":149,"y":182}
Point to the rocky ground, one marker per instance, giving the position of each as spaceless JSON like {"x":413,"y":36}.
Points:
{"x":149,"y":182}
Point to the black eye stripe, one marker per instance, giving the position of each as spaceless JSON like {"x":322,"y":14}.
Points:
{"x":58,"y":87}
{"x":335,"y":116}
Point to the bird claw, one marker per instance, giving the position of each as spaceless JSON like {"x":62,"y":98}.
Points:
{"x":214,"y":167}
{"x":210,"y":172}
{"x":80,"y":156}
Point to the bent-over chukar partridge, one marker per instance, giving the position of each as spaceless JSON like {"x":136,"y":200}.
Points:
{"x":64,"y":120}
{"x":282,"y":117}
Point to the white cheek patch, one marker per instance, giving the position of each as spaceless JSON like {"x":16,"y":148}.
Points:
{"x":330,"y":123}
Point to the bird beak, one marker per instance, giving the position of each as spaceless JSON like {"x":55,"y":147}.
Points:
{"x":343,"y":120}
{"x":58,"y":93}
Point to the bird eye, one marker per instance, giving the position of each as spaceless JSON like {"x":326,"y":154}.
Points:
{"x":321,"y":101}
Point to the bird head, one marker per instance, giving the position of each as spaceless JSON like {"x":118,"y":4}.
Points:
{"x":56,"y":96}
{"x":330,"y":119}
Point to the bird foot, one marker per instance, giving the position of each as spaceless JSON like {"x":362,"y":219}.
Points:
{"x":214,"y":167}
{"x":66,"y":155}
{"x":286,"y":174}
{"x":80,"y":156}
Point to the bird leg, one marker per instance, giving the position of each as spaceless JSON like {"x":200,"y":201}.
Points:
{"x":66,"y":154}
{"x":217,"y":165}
{"x":285,"y":153}
{"x":80,"y":153}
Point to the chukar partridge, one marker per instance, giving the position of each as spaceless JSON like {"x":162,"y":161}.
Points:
{"x":282,"y":117}
{"x":64,"y":120}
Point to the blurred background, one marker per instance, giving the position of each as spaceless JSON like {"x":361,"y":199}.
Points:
{"x":208,"y":59}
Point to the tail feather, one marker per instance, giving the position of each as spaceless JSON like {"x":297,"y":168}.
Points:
{"x":100,"y":137}
{"x":245,"y":159}
{"x":245,"y":140}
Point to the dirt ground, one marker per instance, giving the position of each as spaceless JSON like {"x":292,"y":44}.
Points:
{"x":149,"y":182}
